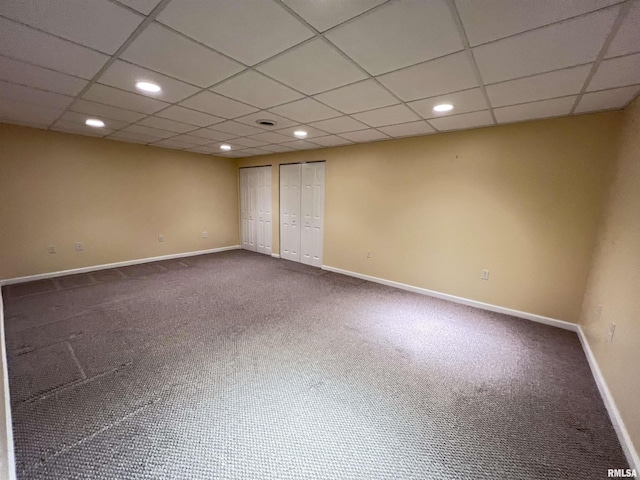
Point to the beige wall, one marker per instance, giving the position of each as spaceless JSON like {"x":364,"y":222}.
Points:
{"x":521,"y":200}
{"x":614,"y":281}
{"x":116,"y":198}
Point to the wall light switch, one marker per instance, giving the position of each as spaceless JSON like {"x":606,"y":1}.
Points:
{"x":484,"y":275}
{"x":52,"y":249}
{"x":205,"y":234}
{"x":161,"y":238}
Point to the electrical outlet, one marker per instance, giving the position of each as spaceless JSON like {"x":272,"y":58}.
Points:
{"x":79,"y":247}
{"x":611,"y":331}
{"x":484,"y":275}
{"x":369,"y":254}
{"x":205,"y":234}
{"x":52,"y":249}
{"x":161,"y":238}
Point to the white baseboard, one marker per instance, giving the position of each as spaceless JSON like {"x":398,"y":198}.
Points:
{"x":614,"y":414}
{"x":95,"y":268}
{"x":7,"y":454}
{"x":464,"y":301}
{"x":275,"y":255}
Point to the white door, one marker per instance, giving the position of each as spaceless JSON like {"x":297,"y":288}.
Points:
{"x":245,"y":230}
{"x":312,"y":211}
{"x":263,"y":219}
{"x":290,"y":212}
{"x":255,"y":209}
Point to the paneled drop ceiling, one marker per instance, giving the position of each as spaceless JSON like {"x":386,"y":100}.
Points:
{"x":345,"y":71}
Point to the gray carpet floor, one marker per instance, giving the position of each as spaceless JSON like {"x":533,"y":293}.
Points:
{"x":240,"y":366}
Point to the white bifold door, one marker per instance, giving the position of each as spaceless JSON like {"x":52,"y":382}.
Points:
{"x":302,"y":212}
{"x":255,"y":209}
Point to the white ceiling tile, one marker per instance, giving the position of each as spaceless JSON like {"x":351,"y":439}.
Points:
{"x":323,"y":15}
{"x":565,"y":44}
{"x":186,"y":115}
{"x":256,"y":89}
{"x":143,"y":6}
{"x":78,"y":128}
{"x":358,"y":97}
{"x":165,"y":124}
{"x":231,"y":154}
{"x":408,"y":129}
{"x":171,"y":143}
{"x":266,"y":27}
{"x":118,"y":98}
{"x":103,"y":112}
{"x":607,"y":99}
{"x":160,"y":49}
{"x":32,"y":95}
{"x":539,"y":87}
{"x":276,"y":148}
{"x":465,"y":120}
{"x":339,"y":125}
{"x":311,"y":132}
{"x":369,"y":135}
{"x":466,"y":101}
{"x":272,"y":137}
{"x":305,"y":111}
{"x":14,"y":111}
{"x":627,"y":40}
{"x":153,"y":132}
{"x":253,"y":118}
{"x":38,"y":77}
{"x":124,"y":75}
{"x":444,"y":75}
{"x":238,"y":129}
{"x":80,"y":118}
{"x":301,"y":145}
{"x":192,"y":139}
{"x":254,"y":151}
{"x":529,"y":111}
{"x":123,"y":136}
{"x":24,"y":43}
{"x":331,"y":141}
{"x":206,"y":149}
{"x":248,"y":142}
{"x":217,"y":105}
{"x":616,"y":72}
{"x":387,"y":116}
{"x":98,"y":24}
{"x":312,"y":68}
{"x":399,"y":34}
{"x":488,"y":20}
{"x":213,"y":135}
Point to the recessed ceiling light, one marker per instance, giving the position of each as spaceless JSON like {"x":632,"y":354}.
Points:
{"x":148,"y":87}
{"x":443,"y":107}
{"x":300,"y":133}
{"x":225,"y":147}
{"x":94,"y":122}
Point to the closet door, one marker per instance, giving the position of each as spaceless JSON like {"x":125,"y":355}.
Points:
{"x":312,"y":211}
{"x":252,"y":209}
{"x":290,"y":212}
{"x":244,"y":208}
{"x":263,"y":218}
{"x":255,"y":209}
